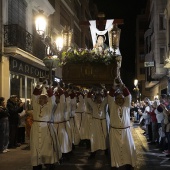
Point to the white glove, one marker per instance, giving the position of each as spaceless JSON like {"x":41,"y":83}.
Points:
{"x":45,"y":83}
{"x":55,"y":89}
{"x":39,"y":85}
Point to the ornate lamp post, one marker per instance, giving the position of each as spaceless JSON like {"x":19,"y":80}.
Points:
{"x":51,"y":60}
{"x":59,"y":43}
{"x":63,"y":42}
{"x":53,"y":54}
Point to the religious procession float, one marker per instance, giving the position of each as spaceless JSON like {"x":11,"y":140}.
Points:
{"x":99,"y":65}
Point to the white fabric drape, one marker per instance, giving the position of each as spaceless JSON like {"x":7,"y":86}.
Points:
{"x":95,"y":31}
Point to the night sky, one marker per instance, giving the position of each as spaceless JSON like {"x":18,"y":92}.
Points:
{"x":128,"y":11}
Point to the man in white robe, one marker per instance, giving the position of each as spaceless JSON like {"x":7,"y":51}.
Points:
{"x":45,"y":149}
{"x":80,"y":115}
{"x":122,"y":147}
{"x":74,"y":128}
{"x":98,"y":129}
{"x":61,"y":124}
{"x":86,"y":124}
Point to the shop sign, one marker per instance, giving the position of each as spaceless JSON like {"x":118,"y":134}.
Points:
{"x":149,"y":64}
{"x":21,"y":67}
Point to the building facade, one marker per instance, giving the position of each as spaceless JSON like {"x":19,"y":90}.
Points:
{"x":155,"y":50}
{"x":22,"y":49}
{"x":167,"y":60}
{"x":141,"y":26}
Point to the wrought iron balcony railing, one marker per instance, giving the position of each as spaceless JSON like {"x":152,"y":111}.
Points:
{"x":15,"y":35}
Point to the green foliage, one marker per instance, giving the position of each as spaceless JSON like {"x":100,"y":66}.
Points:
{"x":80,"y":56}
{"x":84,"y":55}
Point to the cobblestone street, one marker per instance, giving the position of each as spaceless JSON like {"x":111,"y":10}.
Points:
{"x":148,"y":157}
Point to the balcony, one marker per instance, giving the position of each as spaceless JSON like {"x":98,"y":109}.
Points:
{"x":19,"y":42}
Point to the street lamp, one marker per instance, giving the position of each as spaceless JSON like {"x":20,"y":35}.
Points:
{"x":59,"y":43}
{"x":53,"y":54}
{"x":135,"y":82}
{"x":136,"y":89}
{"x":40,"y":24}
{"x":63,"y":42}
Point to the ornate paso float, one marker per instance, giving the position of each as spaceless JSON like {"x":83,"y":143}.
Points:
{"x":97,"y":66}
{"x":84,"y":67}
{"x":89,"y":67}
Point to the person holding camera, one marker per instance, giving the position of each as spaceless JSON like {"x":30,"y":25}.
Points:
{"x":14,"y":107}
{"x":4,"y":126}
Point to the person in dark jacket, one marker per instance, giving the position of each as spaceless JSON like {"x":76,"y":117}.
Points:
{"x":14,"y":109}
{"x":4,"y":126}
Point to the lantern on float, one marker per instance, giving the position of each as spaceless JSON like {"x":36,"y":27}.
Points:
{"x":114,"y":37}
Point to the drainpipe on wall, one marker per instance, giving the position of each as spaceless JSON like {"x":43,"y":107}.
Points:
{"x":1,"y":25}
{"x":1,"y":46}
{"x":168,"y":82}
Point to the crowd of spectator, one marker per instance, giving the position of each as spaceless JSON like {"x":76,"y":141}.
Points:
{"x":14,"y":123}
{"x":154,"y":119}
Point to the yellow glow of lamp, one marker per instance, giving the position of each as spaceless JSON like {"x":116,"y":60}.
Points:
{"x":40,"y":24}
{"x":59,"y":43}
{"x":135,"y":82}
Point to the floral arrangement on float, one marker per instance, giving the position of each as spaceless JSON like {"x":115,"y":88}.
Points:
{"x":85,"y":55}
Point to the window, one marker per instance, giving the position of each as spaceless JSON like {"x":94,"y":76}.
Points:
{"x":17,"y":12}
{"x":22,"y":86}
{"x":162,"y":55}
{"x":142,"y":57}
{"x":161,"y":22}
{"x":15,"y":85}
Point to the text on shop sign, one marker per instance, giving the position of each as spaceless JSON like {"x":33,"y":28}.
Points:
{"x":25,"y":68}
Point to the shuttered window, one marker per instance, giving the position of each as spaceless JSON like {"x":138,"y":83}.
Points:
{"x":162,"y":55}
{"x":17,"y":12}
